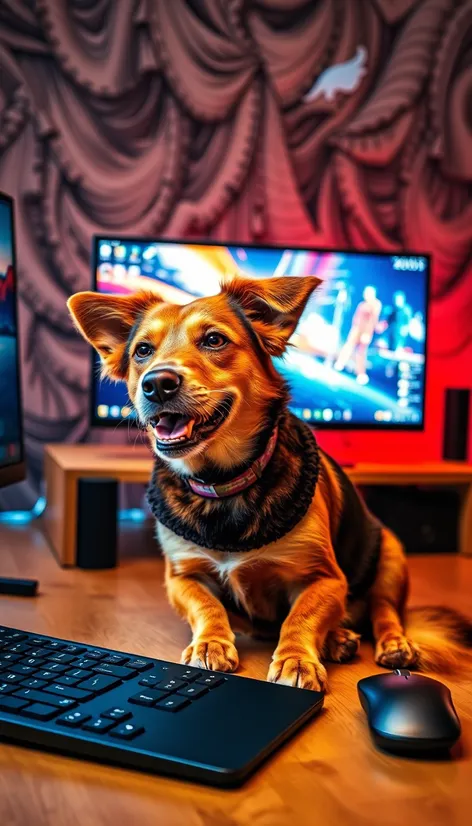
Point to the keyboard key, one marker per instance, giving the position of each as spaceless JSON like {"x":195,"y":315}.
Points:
{"x":99,"y":683}
{"x":11,"y":678}
{"x":42,"y":697}
{"x":57,"y":668}
{"x":5,"y":688}
{"x":46,"y":675}
{"x":38,"y":654}
{"x":57,"y":646}
{"x":37,"y":641}
{"x":170,"y":670}
{"x":61,"y":657}
{"x":33,"y":682}
{"x":100,"y":724}
{"x":74,"y":649}
{"x":12,"y":703}
{"x":33,"y":661}
{"x":149,"y":681}
{"x":39,"y":712}
{"x":127,"y":732}
{"x":211,"y":681}
{"x":139,"y":665}
{"x":84,"y":662}
{"x":193,"y":691}
{"x":64,"y":702}
{"x":190,"y":674}
{"x":117,"y":713}
{"x":96,"y":654}
{"x":17,"y":668}
{"x":19,"y":648}
{"x":7,"y":657}
{"x":172,"y":704}
{"x":115,"y":659}
{"x":171,"y":685}
{"x":73,"y":719}
{"x":64,"y":680}
{"x":69,"y":691}
{"x":148,"y":698}
{"x":15,"y":635}
{"x":80,"y":673}
{"x":115,"y":671}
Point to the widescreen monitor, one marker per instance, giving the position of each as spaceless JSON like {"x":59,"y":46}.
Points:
{"x":12,"y":468}
{"x":357,"y":357}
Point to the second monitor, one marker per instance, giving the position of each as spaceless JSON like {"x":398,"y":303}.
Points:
{"x":358,"y":359}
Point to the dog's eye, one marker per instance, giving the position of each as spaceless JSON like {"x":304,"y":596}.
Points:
{"x":143,"y":351}
{"x":215,"y":341}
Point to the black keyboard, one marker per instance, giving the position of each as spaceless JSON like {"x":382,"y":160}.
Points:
{"x":140,"y":712}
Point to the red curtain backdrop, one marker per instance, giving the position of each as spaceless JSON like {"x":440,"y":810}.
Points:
{"x":329,"y":122}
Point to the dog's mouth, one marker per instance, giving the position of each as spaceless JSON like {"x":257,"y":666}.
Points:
{"x":176,"y":433}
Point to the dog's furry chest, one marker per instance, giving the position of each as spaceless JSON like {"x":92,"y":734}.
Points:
{"x":336,"y":534}
{"x":259,"y":583}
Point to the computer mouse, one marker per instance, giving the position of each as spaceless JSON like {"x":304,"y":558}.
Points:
{"x":409,"y":713}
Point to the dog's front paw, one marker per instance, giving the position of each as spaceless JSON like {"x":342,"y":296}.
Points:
{"x":341,"y":645}
{"x":302,"y":673}
{"x":217,"y":655}
{"x":396,"y":652}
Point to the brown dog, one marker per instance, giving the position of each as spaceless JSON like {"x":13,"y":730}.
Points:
{"x":261,"y":530}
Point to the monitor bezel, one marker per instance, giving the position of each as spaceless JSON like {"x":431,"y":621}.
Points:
{"x":15,"y":472}
{"x":96,"y":421}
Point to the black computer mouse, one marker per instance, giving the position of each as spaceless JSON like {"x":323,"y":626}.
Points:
{"x":409,"y":713}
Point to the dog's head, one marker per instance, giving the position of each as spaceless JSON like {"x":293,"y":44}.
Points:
{"x":200,"y":375}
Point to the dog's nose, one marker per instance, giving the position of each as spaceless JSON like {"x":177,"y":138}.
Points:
{"x":161,"y":385}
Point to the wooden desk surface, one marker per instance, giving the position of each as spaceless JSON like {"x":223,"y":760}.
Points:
{"x":329,"y":775}
{"x":134,"y":463}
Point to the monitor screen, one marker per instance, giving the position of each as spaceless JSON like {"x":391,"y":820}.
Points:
{"x":357,"y":358}
{"x":11,"y":446}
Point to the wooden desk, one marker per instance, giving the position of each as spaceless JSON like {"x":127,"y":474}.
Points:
{"x":330,"y":774}
{"x":65,"y":464}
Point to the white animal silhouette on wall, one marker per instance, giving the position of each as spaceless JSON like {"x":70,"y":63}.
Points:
{"x":343,"y":77}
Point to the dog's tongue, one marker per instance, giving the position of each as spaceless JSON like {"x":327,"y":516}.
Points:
{"x":171,"y":426}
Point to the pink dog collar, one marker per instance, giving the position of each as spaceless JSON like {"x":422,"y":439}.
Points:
{"x":241,"y":482}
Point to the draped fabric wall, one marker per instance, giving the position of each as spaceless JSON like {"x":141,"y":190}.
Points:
{"x":329,"y":122}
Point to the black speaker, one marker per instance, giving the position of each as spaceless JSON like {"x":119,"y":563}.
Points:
{"x":424,"y":519}
{"x":456,"y":424}
{"x":97,"y":523}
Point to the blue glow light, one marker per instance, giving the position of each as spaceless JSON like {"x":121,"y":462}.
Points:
{"x":132,"y":514}
{"x":24,"y":517}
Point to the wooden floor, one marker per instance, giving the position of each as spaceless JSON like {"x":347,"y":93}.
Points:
{"x":330,"y":774}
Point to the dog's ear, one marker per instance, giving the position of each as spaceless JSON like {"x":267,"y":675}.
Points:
{"x":106,"y":321}
{"x":273,"y":305}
